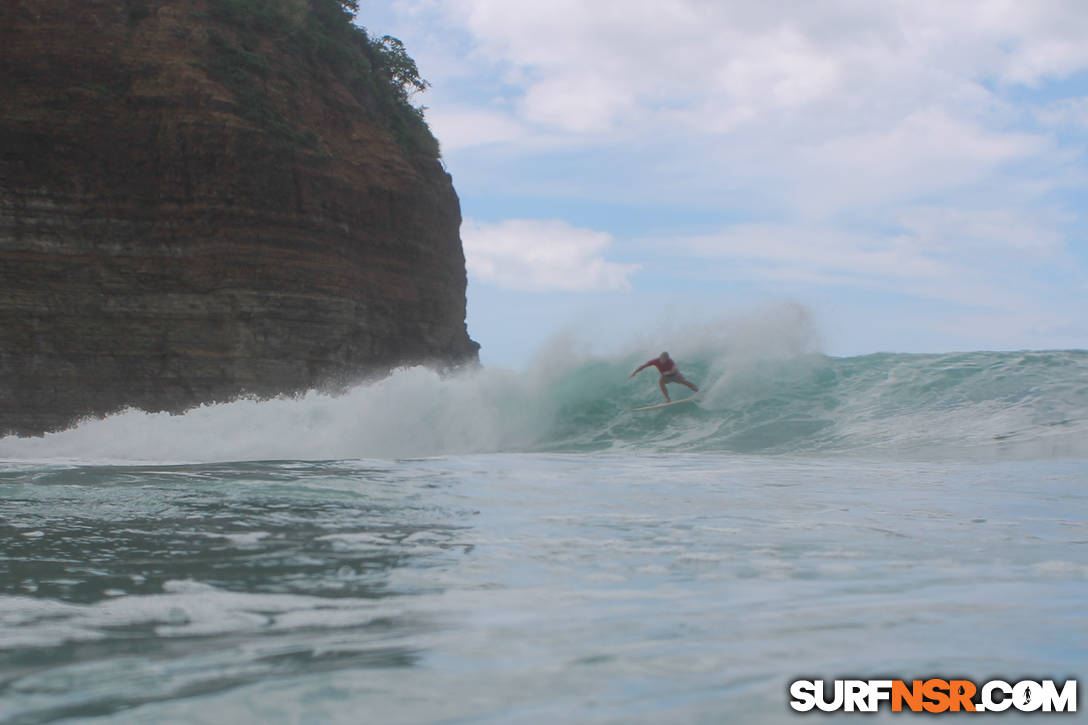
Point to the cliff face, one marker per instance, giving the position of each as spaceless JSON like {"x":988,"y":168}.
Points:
{"x":196,"y":204}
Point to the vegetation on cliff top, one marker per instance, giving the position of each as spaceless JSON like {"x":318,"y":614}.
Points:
{"x":321,"y":33}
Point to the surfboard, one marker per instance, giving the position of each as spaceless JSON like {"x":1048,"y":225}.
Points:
{"x":664,"y":405}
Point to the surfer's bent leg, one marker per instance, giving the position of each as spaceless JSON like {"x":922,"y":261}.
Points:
{"x":664,"y":392}
{"x":684,"y":381}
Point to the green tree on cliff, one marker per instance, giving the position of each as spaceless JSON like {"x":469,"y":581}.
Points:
{"x":401,"y":68}
{"x":391,"y":54}
{"x":326,"y":35}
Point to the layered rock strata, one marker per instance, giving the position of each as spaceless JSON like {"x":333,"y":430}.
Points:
{"x":193,"y":209}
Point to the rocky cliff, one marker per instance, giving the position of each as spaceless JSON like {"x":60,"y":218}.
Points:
{"x":201,"y":199}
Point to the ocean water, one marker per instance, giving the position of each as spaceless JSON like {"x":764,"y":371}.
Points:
{"x":502,"y":547}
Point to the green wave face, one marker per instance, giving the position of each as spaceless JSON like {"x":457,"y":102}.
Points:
{"x":1033,"y":403}
{"x":778,"y":402}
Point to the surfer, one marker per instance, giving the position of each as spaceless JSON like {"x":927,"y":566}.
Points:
{"x":669,"y":373}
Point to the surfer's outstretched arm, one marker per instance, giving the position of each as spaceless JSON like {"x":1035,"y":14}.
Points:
{"x":638,"y":370}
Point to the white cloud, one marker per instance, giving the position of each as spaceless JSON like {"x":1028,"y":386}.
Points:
{"x":975,"y":257}
{"x":466,"y":127}
{"x":916,"y":146}
{"x":928,"y":151}
{"x":806,"y":253}
{"x":991,"y":234}
{"x":817,"y":109}
{"x":1072,"y":112}
{"x":538,"y":255}
{"x":755,"y":61}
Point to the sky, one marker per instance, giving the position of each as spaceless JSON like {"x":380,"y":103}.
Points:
{"x":911,"y":173}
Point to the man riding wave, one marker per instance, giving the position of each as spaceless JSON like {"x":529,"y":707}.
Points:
{"x":669,"y":373}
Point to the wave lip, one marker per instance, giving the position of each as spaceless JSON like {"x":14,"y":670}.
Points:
{"x":1018,"y":404}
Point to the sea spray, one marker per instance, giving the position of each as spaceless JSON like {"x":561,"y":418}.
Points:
{"x":764,"y":389}
{"x":413,"y":412}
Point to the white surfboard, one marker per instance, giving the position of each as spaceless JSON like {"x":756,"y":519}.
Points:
{"x":664,"y":405}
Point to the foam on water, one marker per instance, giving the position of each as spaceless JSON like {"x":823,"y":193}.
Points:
{"x":765,"y":389}
{"x":320,"y":557}
{"x":605,"y":587}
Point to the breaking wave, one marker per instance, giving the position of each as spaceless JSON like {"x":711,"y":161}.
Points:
{"x":765,"y":389}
